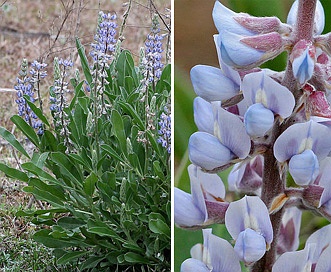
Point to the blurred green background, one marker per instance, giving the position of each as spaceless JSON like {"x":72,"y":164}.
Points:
{"x":194,"y":44}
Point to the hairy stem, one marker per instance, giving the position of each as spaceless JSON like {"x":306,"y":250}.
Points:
{"x":274,"y":180}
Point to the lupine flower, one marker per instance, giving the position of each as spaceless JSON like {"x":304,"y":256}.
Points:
{"x":246,"y":177}
{"x":203,"y":115}
{"x":37,"y":71}
{"x":205,"y":204}
{"x":216,"y":254}
{"x":212,"y":84}
{"x":295,"y":140}
{"x":228,"y":142}
{"x":264,"y":97}
{"x":25,"y":87}
{"x":314,"y":257}
{"x":165,"y":130}
{"x":248,"y":222}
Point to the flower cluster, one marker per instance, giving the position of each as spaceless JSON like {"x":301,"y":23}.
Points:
{"x":268,"y":125}
{"x":25,"y":86}
{"x":165,"y":130}
{"x":58,"y":98}
{"x":104,"y":39}
{"x":153,"y":52}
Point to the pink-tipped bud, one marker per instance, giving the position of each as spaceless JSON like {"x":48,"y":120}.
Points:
{"x":262,"y":25}
{"x":317,"y":103}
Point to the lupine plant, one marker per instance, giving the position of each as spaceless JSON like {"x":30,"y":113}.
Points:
{"x":106,"y":189}
{"x":273,"y":129}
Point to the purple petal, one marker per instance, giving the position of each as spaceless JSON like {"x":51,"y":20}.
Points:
{"x":237,"y":54}
{"x":223,"y":19}
{"x":203,"y":115}
{"x":221,"y":253}
{"x":232,"y":133}
{"x":191,"y":264}
{"x":250,"y":246}
{"x":259,"y":88}
{"x":211,"y":84}
{"x":303,"y":67}
{"x":300,"y":137}
{"x":210,"y":184}
{"x":206,"y":151}
{"x":292,"y":261}
{"x":324,"y":180}
{"x":288,"y":239}
{"x":187,"y":214}
{"x":227,"y":70}
{"x":304,"y":167}
{"x":249,"y":212}
{"x":324,"y":262}
{"x":322,"y":239}
{"x":258,"y":120}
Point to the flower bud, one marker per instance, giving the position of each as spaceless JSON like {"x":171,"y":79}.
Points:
{"x":319,"y":19}
{"x":303,"y":60}
{"x":258,"y":120}
{"x":304,"y":167}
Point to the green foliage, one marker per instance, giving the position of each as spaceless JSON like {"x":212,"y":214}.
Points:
{"x":109,"y":190}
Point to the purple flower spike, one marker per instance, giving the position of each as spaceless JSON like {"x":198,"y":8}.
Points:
{"x":216,"y":254}
{"x":212,"y":84}
{"x":304,"y":167}
{"x":206,"y":151}
{"x":260,"y":88}
{"x":250,"y":246}
{"x":203,"y":115}
{"x":303,"y":60}
{"x":205,"y":205}
{"x":319,"y":19}
{"x":250,"y":212}
{"x":300,"y":137}
{"x":258,"y":120}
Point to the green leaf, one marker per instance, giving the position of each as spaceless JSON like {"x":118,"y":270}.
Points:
{"x":70,"y":223}
{"x":43,"y":236}
{"x":84,"y":62}
{"x":40,"y":212}
{"x":36,"y":110}
{"x":130,"y":110}
{"x":118,"y":130}
{"x":132,"y":257}
{"x":89,"y":184}
{"x":157,"y":225}
{"x":109,"y":150}
{"x":10,"y":138}
{"x":26,"y":129}
{"x":91,"y":262}
{"x":70,"y":256}
{"x":13,"y":172}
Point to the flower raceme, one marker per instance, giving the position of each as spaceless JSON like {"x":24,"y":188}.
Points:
{"x":274,"y":129}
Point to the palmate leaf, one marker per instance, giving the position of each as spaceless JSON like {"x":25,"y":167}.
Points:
{"x":10,"y":138}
